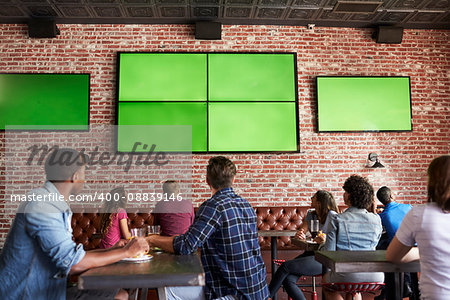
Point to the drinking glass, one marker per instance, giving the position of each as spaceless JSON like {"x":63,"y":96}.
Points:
{"x":138,"y":232}
{"x":314,"y":228}
{"x":153,"y":229}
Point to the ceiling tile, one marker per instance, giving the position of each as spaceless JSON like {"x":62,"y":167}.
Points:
{"x":308,"y":3}
{"x":408,"y":4}
{"x":140,"y":12}
{"x":239,"y":2}
{"x":169,"y":2}
{"x":238,"y":12}
{"x":173,"y":12}
{"x":438,"y":4}
{"x":301,"y":14}
{"x":11,"y":11}
{"x":42,"y":11}
{"x":394,"y":17}
{"x":107,"y":11}
{"x":425,"y":17}
{"x":269,"y":13}
{"x":279,"y":3}
{"x":75,"y":11}
{"x":329,"y":15}
{"x":205,"y":12}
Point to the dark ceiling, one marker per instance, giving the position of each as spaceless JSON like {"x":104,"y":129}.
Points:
{"x":405,"y":13}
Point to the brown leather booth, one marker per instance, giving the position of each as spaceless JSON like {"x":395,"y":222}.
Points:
{"x":86,"y":228}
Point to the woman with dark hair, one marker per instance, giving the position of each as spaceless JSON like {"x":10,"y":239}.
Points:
{"x":427,"y":225}
{"x":355,"y":229}
{"x":114,"y":219}
{"x":304,"y":265}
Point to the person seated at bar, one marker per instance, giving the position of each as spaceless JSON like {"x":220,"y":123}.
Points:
{"x":391,"y":217}
{"x":39,"y":252}
{"x":173,"y":213}
{"x":305,"y":264}
{"x":356,"y":229}
{"x":114,"y":219}
{"x":427,"y":225}
{"x":225,"y":230}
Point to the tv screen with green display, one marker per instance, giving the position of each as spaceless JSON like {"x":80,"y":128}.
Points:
{"x":234,"y":102}
{"x":363,"y":104}
{"x":252,"y":127}
{"x":251,"y":77}
{"x":162,"y":77}
{"x":44,"y":101}
{"x":162,"y":113}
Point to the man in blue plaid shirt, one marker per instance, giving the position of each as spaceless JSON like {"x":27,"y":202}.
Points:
{"x":225,"y":230}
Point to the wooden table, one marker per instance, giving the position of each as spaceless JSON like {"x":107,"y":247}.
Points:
{"x":366,"y":261}
{"x":163,"y":270}
{"x":274,"y":234}
{"x":305,"y":245}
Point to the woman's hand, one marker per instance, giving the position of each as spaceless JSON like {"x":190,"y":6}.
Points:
{"x":300,"y":235}
{"x":320,"y":238}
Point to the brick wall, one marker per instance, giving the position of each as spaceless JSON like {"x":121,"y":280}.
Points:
{"x":326,"y":159}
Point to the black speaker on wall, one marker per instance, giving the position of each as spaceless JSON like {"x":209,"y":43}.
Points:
{"x":388,"y":35}
{"x":42,"y":28}
{"x":208,"y":30}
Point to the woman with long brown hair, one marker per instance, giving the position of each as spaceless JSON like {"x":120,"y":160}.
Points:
{"x":114,"y":219}
{"x":304,"y":265}
{"x":427,"y":225}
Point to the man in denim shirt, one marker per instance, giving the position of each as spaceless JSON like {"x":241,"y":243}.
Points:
{"x":39,"y":252}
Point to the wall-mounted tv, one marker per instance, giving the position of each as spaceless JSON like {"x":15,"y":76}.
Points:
{"x":350,"y":103}
{"x":44,"y":101}
{"x":234,"y":102}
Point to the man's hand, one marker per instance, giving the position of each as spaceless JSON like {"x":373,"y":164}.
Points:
{"x":163,"y":242}
{"x":136,"y":247}
{"x":121,"y":243}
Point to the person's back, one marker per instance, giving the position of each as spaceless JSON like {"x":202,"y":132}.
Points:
{"x":354,"y":230}
{"x":39,"y":252}
{"x":232,"y":252}
{"x":26,"y":268}
{"x":393,"y":213}
{"x":174,"y":213}
{"x":113,"y":232}
{"x":225,"y":230}
{"x":429,"y":228}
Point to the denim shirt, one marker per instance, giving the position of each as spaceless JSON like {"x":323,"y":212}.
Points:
{"x":353,"y":230}
{"x":39,"y":250}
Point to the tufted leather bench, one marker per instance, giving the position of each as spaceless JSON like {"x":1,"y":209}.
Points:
{"x":86,"y":228}
{"x":86,"y":225}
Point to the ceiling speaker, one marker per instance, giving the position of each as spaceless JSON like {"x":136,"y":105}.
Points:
{"x":42,"y":28}
{"x":388,"y":35}
{"x":208,"y":30}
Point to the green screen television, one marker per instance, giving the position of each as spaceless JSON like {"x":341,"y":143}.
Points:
{"x":251,"y":77}
{"x":252,"y":127}
{"x":162,"y":77}
{"x":234,"y":102}
{"x":44,"y":101}
{"x":162,"y":113}
{"x":348,"y":103}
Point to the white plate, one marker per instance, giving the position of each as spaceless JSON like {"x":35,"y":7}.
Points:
{"x":146,"y":257}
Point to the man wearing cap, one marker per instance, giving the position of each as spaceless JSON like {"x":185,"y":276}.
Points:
{"x":39,"y":252}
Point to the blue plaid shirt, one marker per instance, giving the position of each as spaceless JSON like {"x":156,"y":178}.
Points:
{"x":225,"y":230}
